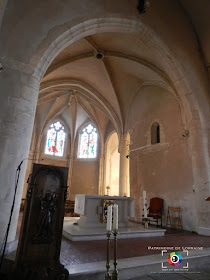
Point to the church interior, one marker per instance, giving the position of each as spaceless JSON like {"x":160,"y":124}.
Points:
{"x":115,"y":91}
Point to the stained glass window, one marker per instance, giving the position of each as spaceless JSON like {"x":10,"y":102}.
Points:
{"x":55,"y":140}
{"x":88,"y":142}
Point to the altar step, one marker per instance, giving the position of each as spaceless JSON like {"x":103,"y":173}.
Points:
{"x":74,"y":232}
{"x":138,"y":267}
{"x":145,"y":266}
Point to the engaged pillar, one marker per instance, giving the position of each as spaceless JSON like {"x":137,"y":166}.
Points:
{"x":19,"y":92}
{"x":124,"y":188}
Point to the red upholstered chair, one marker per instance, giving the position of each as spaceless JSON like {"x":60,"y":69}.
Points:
{"x":156,"y":210}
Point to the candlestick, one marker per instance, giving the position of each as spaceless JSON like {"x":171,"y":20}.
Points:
{"x":109,"y":218}
{"x":145,"y":204}
{"x":115,"y":217}
{"x":107,"y":275}
{"x":115,"y":271}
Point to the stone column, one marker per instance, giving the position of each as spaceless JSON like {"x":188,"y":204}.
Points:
{"x":70,"y":166}
{"x":201,"y":174}
{"x":73,"y":149}
{"x":124,"y":166}
{"x":101,"y":175}
{"x":18,"y":98}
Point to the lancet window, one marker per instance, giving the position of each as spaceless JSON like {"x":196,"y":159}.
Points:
{"x":88,"y":142}
{"x":55,"y":139}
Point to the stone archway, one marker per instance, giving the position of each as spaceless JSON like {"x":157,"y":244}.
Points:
{"x":26,"y":78}
{"x":177,"y":80}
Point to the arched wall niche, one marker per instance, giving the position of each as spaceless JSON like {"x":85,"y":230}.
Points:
{"x":112,"y":163}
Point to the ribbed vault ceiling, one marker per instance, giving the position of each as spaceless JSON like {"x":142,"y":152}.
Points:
{"x":127,"y":64}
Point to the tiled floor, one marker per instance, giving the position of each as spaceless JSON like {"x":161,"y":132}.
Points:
{"x":91,"y":253}
{"x":94,"y":251}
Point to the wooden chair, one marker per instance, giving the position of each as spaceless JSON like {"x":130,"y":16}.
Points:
{"x":69,"y":207}
{"x":155,"y":210}
{"x":173,"y":218}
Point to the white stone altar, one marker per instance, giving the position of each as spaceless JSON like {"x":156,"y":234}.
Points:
{"x":90,"y":208}
{"x":90,"y":226}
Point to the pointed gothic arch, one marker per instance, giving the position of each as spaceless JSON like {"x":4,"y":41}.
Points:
{"x":55,"y":139}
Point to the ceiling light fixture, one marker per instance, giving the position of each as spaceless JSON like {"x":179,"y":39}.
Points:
{"x":142,"y":6}
{"x":99,"y":56}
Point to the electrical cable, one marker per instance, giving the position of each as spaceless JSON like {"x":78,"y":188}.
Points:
{"x":11,"y":212}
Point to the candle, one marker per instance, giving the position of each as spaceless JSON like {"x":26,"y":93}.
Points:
{"x":145,"y":204}
{"x":109,"y":218}
{"x":115,"y":217}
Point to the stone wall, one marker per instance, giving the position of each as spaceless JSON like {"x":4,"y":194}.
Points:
{"x":163,"y":169}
